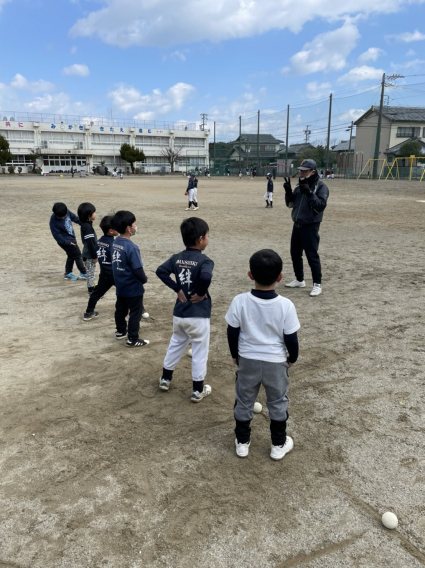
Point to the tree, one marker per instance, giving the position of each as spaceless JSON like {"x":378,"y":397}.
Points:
{"x":5,"y":155}
{"x":131,"y":154}
{"x":172,"y":154}
{"x":317,"y":154}
{"x":411,"y":148}
{"x":33,"y":157}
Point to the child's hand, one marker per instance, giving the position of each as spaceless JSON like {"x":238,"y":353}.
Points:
{"x":73,"y":244}
{"x":94,"y":260}
{"x":195,"y":298}
{"x":235,"y":361}
{"x":181,"y":296}
{"x":290,"y":364}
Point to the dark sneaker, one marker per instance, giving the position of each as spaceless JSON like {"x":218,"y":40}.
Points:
{"x":164,"y":385}
{"x":120,"y":335}
{"x":90,"y":315}
{"x":137,"y":343}
{"x":198,"y":396}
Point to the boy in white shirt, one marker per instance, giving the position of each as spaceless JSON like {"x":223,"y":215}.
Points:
{"x":262,"y":335}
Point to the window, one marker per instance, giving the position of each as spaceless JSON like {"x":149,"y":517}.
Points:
{"x":152,"y":141}
{"x":270,"y":148}
{"x":408,"y":131}
{"x":109,"y":140}
{"x":20,"y":136}
{"x":191,"y":161}
{"x":190,"y":142}
{"x":23,"y":160}
{"x":68,"y":139}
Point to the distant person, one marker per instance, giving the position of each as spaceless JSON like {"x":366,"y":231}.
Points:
{"x":63,"y":233}
{"x":121,"y":173}
{"x":87,"y":214}
{"x":321,"y":174}
{"x":195,"y":193}
{"x":268,"y":196}
{"x":72,"y":171}
{"x":240,"y":174}
{"x":190,"y":192}
{"x":262,"y":336}
{"x":332,"y":174}
{"x":192,"y":272}
{"x":308,"y":202}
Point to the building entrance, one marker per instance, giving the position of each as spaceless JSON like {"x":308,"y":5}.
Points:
{"x":63,"y":164}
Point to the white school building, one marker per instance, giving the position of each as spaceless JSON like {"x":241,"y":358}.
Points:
{"x":65,"y":142}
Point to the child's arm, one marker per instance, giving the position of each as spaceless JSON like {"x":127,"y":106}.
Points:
{"x":291,"y":342}
{"x":233,"y":341}
{"x":74,"y":218}
{"x":87,"y":235}
{"x":204,"y":282}
{"x":60,"y":237}
{"x":139,"y":273}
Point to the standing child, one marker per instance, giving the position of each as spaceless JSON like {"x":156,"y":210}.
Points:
{"x":63,"y":233}
{"x":129,"y":276}
{"x":87,"y":214}
{"x":268,"y":196}
{"x":262,"y":335}
{"x":195,"y":193}
{"x":192,"y":311}
{"x":190,"y":191}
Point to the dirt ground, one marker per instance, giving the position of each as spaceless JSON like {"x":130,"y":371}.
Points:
{"x":98,"y":468}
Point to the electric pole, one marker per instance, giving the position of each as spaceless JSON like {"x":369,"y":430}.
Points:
{"x":378,"y":130}
{"x":258,"y":143}
{"x":240,"y":136}
{"x":329,"y":131}
{"x":307,"y":133}
{"x":204,"y":117}
{"x":287,"y":141}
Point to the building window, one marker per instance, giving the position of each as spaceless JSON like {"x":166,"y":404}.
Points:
{"x":189,"y":142}
{"x":408,"y":131}
{"x":21,"y":160}
{"x":109,"y":140}
{"x":270,"y":148}
{"x":20,"y":136}
{"x":152,"y":141}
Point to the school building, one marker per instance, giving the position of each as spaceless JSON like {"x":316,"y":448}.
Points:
{"x":84,"y":144}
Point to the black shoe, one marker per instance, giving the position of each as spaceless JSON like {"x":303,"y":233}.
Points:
{"x":137,"y":343}
{"x":90,"y":315}
{"x":120,"y":335}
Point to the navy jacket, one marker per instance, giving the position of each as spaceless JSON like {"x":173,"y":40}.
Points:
{"x":89,"y":238}
{"x":62,"y":229}
{"x":308,"y":209}
{"x":191,"y":184}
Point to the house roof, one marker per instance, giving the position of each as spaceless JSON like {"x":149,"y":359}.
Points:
{"x":395,"y":149}
{"x":297,"y":148}
{"x":252,"y":139}
{"x":396,"y":114}
{"x":252,"y":155}
{"x":344,"y":145}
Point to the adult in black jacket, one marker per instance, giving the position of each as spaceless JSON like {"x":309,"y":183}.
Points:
{"x":308,"y":201}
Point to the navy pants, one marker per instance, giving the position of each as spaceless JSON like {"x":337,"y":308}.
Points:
{"x":132,"y":307}
{"x":73,"y":254}
{"x":306,"y":238}
{"x":105,"y":283}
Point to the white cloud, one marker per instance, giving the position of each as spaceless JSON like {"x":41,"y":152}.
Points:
{"x":178,"y":55}
{"x":60,"y":103}
{"x":20,"y":82}
{"x":408,"y":37}
{"x":167,"y":22}
{"x":363,"y":73}
{"x":78,"y":69}
{"x":317,"y":90}
{"x":351,"y":115}
{"x":148,"y":107}
{"x":410,"y":53}
{"x":415,"y":63}
{"x":327,"y":52}
{"x":371,"y":54}
{"x":3,"y":2}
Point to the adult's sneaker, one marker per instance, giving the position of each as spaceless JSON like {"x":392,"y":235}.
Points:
{"x":69,"y":276}
{"x":82,"y":276}
{"x":278,"y":452}
{"x":317,"y":289}
{"x":198,"y":396}
{"x":119,"y":335}
{"x":137,"y":343}
{"x":296,"y":284}
{"x":164,"y":384}
{"x":90,"y":315}
{"x":242,"y":450}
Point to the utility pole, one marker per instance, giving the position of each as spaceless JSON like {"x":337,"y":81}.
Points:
{"x":307,"y":133}
{"x":204,"y":118}
{"x":329,"y":132}
{"x":215,"y":167}
{"x":349,"y":147}
{"x":240,"y":136}
{"x":287,"y":141}
{"x":258,"y":142}
{"x":378,"y":130}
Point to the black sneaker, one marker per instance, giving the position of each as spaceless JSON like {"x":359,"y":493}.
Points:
{"x":120,"y":335}
{"x":137,"y":343}
{"x":90,"y":315}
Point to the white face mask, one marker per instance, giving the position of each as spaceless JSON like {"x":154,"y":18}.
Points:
{"x":135,"y":230}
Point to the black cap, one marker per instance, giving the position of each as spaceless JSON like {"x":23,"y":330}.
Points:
{"x":308,"y":165}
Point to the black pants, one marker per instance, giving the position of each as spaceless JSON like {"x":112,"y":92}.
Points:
{"x":124,"y":307}
{"x":105,"y":283}
{"x":74,"y":255}
{"x":306,"y":238}
{"x":277,"y":431}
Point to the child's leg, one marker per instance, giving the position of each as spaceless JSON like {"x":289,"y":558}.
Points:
{"x":105,"y":283}
{"x":178,"y":343}
{"x":121,"y":311}
{"x":73,"y":254}
{"x":198,"y":329}
{"x":135,"y":307}
{"x":248,"y":381}
{"x":90,"y":270}
{"x":69,"y":265}
{"x":276,"y":384}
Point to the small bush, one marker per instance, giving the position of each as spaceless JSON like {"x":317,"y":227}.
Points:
{"x":19,"y":170}
{"x":11,"y":169}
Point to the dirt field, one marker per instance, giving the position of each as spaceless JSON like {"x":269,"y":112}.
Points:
{"x":101,"y":469}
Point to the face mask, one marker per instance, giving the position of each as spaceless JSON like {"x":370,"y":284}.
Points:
{"x":135,"y":230}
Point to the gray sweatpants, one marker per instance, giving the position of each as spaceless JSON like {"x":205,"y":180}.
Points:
{"x":251,"y":374}
{"x":90,"y":269}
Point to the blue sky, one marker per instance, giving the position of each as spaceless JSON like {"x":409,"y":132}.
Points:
{"x":170,"y":60}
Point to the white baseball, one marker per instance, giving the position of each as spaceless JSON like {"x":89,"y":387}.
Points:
{"x":190,"y":352}
{"x":257,"y":407}
{"x":389,"y":520}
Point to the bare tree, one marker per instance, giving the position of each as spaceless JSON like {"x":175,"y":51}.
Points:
{"x":171,"y":154}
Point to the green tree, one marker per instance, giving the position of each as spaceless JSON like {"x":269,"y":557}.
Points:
{"x":33,"y":157}
{"x":412,"y":148}
{"x":317,"y":154}
{"x":5,"y":155}
{"x":131,"y":154}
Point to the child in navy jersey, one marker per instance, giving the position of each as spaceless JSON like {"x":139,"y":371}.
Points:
{"x":106,"y":278}
{"x":262,"y":334}
{"x":87,"y":214}
{"x":129,"y":276}
{"x":192,"y":271}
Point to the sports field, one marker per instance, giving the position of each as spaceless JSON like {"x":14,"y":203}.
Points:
{"x":100,"y":469}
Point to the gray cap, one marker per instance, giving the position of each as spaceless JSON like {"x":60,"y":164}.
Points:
{"x":308,"y":165}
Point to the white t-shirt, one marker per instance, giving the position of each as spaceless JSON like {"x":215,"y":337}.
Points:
{"x":262,"y":324}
